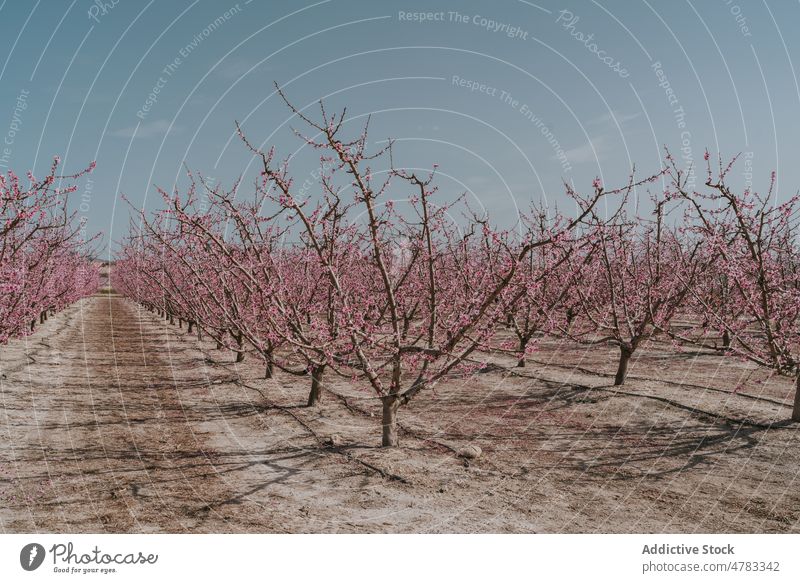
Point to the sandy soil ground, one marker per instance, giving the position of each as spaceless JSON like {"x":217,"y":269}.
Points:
{"x":113,"y":421}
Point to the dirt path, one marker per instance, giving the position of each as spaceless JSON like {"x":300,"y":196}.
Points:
{"x":112,"y":420}
{"x":105,"y":444}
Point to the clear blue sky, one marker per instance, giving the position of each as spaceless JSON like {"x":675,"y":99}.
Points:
{"x":557,"y":104}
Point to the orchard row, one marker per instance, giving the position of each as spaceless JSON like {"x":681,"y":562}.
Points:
{"x":376,"y":280}
{"x":44,"y":263}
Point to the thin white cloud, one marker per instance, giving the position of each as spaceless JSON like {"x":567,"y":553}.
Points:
{"x":615,"y":117}
{"x":591,"y":151}
{"x":150,"y":129}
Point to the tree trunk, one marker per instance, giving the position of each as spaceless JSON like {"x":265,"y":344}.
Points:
{"x":41,"y":318}
{"x":796,"y":409}
{"x":726,"y":339}
{"x":269,"y":368}
{"x":622,"y":371}
{"x":390,"y":406}
{"x":191,"y":326}
{"x":33,"y":324}
{"x":219,"y":345}
{"x":180,"y":322}
{"x":171,"y":319}
{"x":523,"y":345}
{"x":315,"y":396}
{"x":240,"y":352}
